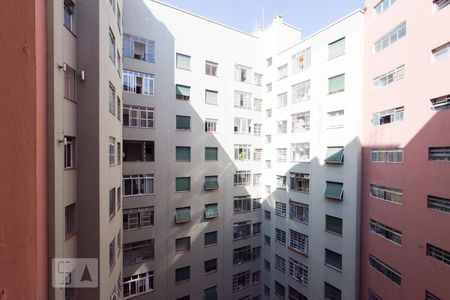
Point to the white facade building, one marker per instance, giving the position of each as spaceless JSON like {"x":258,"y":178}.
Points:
{"x":196,"y":177}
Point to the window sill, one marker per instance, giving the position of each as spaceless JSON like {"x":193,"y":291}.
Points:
{"x":333,"y":233}
{"x":298,"y":251}
{"x":333,"y":268}
{"x":184,"y":191}
{"x":69,"y":236}
{"x":210,"y":272}
{"x":336,"y":92}
{"x":71,"y":100}
{"x":182,"y":251}
{"x":70,"y":30}
{"x":71,"y":168}
{"x":182,"y":281}
{"x":297,"y":191}
{"x":182,"y":130}
{"x":207,"y":246}
{"x":140,"y":195}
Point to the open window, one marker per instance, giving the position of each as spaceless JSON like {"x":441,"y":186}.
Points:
{"x":335,"y":155}
{"x":334,"y":190}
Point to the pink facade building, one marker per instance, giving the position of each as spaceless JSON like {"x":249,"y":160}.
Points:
{"x":405,"y":232}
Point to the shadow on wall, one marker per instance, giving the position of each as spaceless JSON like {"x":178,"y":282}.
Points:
{"x":417,"y":177}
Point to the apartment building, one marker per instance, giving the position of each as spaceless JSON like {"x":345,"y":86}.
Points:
{"x":312,"y":159}
{"x":84,"y":71}
{"x":405,"y":193}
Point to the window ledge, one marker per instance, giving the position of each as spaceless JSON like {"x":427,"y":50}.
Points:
{"x":298,"y":251}
{"x":333,"y":233}
{"x":333,"y":268}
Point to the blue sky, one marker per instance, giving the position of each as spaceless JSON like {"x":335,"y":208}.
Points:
{"x":308,"y":15}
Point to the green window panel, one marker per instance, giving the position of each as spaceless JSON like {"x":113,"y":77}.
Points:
{"x":183,"y":92}
{"x":334,"y":190}
{"x":183,"y":122}
{"x":211,"y":97}
{"x":335,"y":155}
{"x":336,"y":84}
{"x":211,"y":183}
{"x":183,"y":153}
{"x":210,"y":238}
{"x":336,"y":48}
{"x":211,"y":211}
{"x":182,"y":215}
{"x":183,"y":184}
{"x":183,"y":61}
{"x":211,"y":153}
{"x":182,"y":274}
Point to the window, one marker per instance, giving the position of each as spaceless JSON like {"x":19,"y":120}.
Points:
{"x":256,"y":228}
{"x":439,"y":153}
{"x":298,"y":271}
{"x":242,"y":255}
{"x":135,"y":116}
{"x":242,"y":74}
{"x":336,"y":84}
{"x":332,"y":293}
{"x":211,"y":211}
{"x":298,"y":212}
{"x":112,"y":202}
{"x":441,"y":52}
{"x":137,"y":185}
{"x":242,"y":178}
{"x":389,"y":77}
{"x":112,"y":253}
{"x":119,"y":18}
{"x":440,"y":4}
{"x":69,"y":152}
{"x":267,"y":240}
{"x":388,"y":116}
{"x":296,"y":295}
{"x":211,"y":182}
{"x":267,"y":265}
{"x":211,"y":68}
{"x":242,"y":230}
{"x":391,"y":37}
{"x":280,"y":290}
{"x":333,"y":259}
{"x":211,"y":153}
{"x":183,"y":61}
{"x":257,"y":129}
{"x":138,"y":48}
{"x":112,"y":151}
{"x":268,"y":164}
{"x":210,"y":238}
{"x":335,"y":155}
{"x":112,"y":99}
{"x":183,"y":92}
{"x":138,"y":151}
{"x":334,"y":190}
{"x":113,"y":5}
{"x":182,"y":184}
{"x":257,"y":154}
{"x":182,"y":274}
{"x":268,"y":87}
{"x":373,"y":296}
{"x":257,"y":104}
{"x":242,"y":126}
{"x":182,"y":215}
{"x":385,"y":231}
{"x":138,"y":252}
{"x":241,"y":280}
{"x":69,"y":8}
{"x":112,"y":46}
{"x":119,"y":108}
{"x":428,"y":295}
{"x":280,"y":236}
{"x":300,"y":152}
{"x":300,"y":182}
{"x":183,"y":244}
{"x":70,"y":218}
{"x":269,"y":61}
{"x":335,"y":119}
{"x":282,"y":99}
{"x":137,"y":218}
{"x":268,"y":189}
{"x":69,"y":83}
{"x":241,"y":204}
{"x":258,"y":79}
{"x":256,"y":202}
{"x":256,"y":253}
{"x":281,"y":182}
{"x":281,"y":154}
{"x":333,"y":224}
{"x":183,"y":122}
{"x":438,"y":253}
{"x":267,"y":214}
{"x":242,"y":151}
{"x":282,"y":127}
{"x":336,"y":48}
{"x":388,"y":155}
{"x":283,"y":72}
{"x":438,"y":203}
{"x":280,"y":263}
{"x":138,"y":83}
{"x":119,"y":63}
{"x":301,"y":61}
{"x":301,"y":121}
{"x":266,"y":290}
{"x":182,"y":153}
{"x":137,"y":284}
{"x":211,"y":293}
{"x":256,"y":278}
{"x":385,"y":270}
{"x":301,"y":91}
{"x":211,"y":97}
{"x":210,"y":265}
{"x":441,"y":103}
{"x":242,"y":100}
{"x":298,"y":241}
{"x":388,"y":194}
{"x":268,"y":113}
{"x":382,"y":6}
